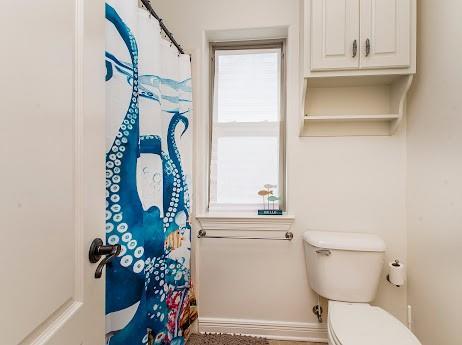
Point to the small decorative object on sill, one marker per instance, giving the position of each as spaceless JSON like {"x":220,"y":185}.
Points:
{"x":269,"y":197}
{"x":270,"y":212}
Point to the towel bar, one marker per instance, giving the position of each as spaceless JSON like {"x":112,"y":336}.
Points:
{"x":288,"y":237}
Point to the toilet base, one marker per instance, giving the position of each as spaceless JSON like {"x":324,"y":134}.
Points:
{"x":361,"y":323}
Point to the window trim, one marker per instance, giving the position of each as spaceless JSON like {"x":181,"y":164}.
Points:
{"x":252,"y":45}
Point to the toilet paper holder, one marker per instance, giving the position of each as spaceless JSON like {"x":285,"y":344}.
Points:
{"x":396,"y":264}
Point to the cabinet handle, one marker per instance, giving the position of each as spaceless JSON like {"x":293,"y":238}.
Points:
{"x":355,"y":48}
{"x":368,"y":47}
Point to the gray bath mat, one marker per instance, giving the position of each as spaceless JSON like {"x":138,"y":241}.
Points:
{"x":224,"y":339}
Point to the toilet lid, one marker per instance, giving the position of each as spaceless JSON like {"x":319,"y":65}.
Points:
{"x":362,"y":324}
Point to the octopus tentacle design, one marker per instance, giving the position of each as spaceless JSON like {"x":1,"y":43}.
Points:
{"x":145,"y":275}
{"x":123,"y":207}
{"x":175,"y":186}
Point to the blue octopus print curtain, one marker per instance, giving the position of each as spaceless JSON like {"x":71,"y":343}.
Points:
{"x":149,"y":298}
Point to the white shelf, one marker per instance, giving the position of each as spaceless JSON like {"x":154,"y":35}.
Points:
{"x":354,"y":106}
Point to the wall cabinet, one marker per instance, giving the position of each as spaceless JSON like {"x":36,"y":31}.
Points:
{"x":334,"y":34}
{"x":385,"y":32}
{"x":359,"y":35}
{"x":359,"y":61}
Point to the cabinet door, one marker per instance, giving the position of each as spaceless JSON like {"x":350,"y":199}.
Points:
{"x":334,"y":31}
{"x":386,"y":29}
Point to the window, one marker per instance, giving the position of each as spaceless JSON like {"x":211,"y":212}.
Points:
{"x":247,"y":123}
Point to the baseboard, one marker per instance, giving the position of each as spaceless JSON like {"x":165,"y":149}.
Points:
{"x":279,"y":330}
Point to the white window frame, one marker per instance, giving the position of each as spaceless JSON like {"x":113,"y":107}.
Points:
{"x":248,"y":128}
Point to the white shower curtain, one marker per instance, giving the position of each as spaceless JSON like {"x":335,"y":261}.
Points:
{"x":149,"y":296}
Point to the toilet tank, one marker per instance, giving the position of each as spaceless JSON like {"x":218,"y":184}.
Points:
{"x":344,"y":266}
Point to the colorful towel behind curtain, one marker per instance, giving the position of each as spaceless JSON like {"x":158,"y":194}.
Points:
{"x":149,"y":299}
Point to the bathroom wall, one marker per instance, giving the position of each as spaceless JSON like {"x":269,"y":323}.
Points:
{"x":434,"y":176}
{"x":339,"y":184}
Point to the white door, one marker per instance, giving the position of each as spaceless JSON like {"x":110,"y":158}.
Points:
{"x":385,"y":33}
{"x":52,"y":171}
{"x":334,"y":34}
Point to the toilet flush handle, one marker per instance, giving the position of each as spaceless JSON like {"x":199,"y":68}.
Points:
{"x":325,"y":252}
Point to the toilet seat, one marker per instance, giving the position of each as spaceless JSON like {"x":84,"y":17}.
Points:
{"x":363,"y":324}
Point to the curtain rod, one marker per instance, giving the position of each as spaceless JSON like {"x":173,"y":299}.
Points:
{"x":148,"y":6}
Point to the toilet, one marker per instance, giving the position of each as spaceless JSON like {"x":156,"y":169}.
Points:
{"x":345,"y":268}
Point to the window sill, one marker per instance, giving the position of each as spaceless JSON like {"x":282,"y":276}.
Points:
{"x":245,"y":221}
